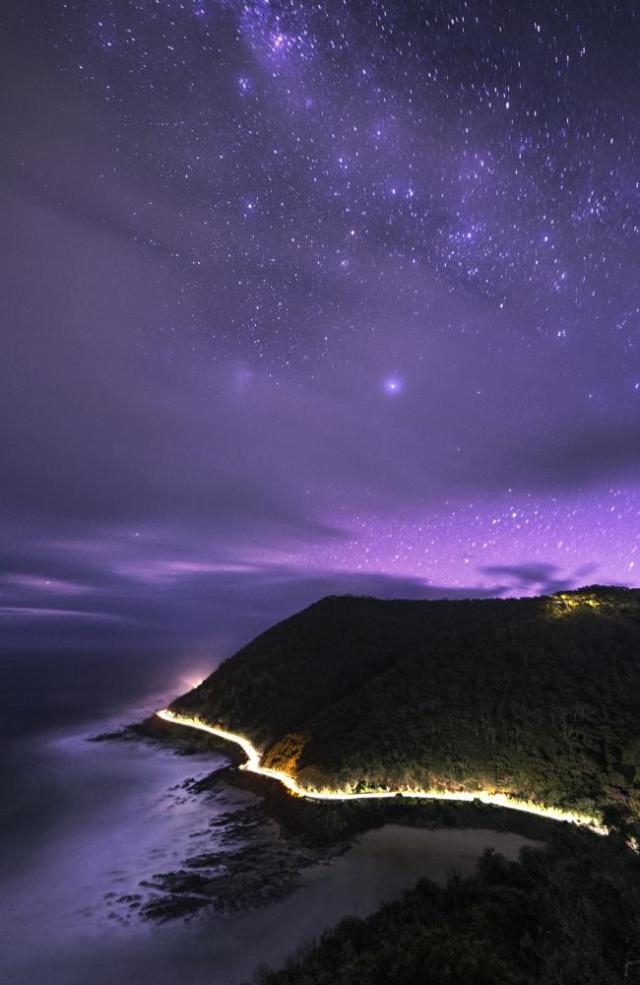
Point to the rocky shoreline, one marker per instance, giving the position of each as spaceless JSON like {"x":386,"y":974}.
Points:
{"x":253,"y":860}
{"x":256,"y":864}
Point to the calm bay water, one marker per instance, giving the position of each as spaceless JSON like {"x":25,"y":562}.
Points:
{"x":83,"y":823}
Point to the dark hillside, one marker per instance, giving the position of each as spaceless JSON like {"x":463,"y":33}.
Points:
{"x":537,"y":697}
{"x":288,"y":674}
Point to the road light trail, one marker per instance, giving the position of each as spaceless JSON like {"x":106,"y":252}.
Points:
{"x":252,"y":765}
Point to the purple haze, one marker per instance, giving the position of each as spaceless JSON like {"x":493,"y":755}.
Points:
{"x":307,"y":298}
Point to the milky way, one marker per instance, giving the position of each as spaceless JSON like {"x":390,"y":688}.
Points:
{"x":312,"y":297}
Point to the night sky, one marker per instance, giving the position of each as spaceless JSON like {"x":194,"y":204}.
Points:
{"x":311,"y":297}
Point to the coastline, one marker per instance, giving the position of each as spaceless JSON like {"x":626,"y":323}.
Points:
{"x":272,"y":841}
{"x":283,"y":832}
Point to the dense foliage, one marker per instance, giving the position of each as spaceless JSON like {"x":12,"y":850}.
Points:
{"x":569,"y":914}
{"x":537,"y":697}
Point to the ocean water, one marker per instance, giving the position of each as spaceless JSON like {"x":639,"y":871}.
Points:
{"x":83,"y":823}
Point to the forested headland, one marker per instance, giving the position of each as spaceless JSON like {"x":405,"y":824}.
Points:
{"x":536,"y":697}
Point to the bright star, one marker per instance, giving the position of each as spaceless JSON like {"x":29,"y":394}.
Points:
{"x":393,"y":385}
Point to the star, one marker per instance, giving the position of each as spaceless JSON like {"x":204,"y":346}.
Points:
{"x":393,"y":385}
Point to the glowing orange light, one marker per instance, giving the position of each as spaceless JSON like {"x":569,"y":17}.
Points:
{"x":563,"y":604}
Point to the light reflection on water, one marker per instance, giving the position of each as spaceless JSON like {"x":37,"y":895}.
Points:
{"x":105,"y":816}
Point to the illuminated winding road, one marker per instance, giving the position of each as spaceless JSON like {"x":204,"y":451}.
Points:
{"x":252,"y":765}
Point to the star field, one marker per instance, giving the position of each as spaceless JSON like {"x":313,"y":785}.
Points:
{"x":320,"y":145}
